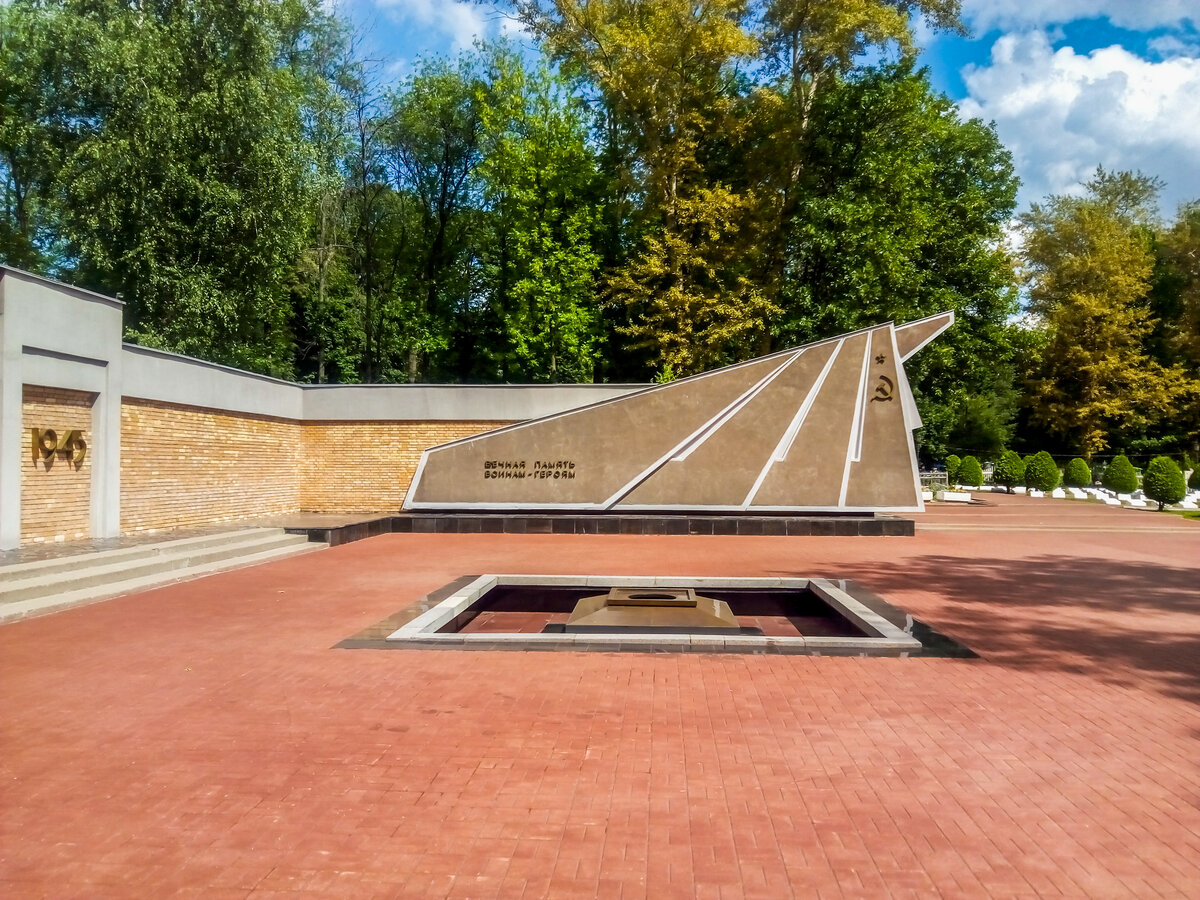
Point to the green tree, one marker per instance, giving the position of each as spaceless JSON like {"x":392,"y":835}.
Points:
{"x":1042,"y":472}
{"x":808,"y":49}
{"x":328,"y":304}
{"x":900,"y":217}
{"x":432,"y":135}
{"x":34,"y":109}
{"x":953,"y":464}
{"x":381,"y":223}
{"x":664,"y":72}
{"x":970,"y":472}
{"x":1120,"y":476}
{"x":539,"y":184}
{"x":1009,"y":471}
{"x":1175,"y":304}
{"x":1077,"y":474}
{"x":181,"y":171}
{"x":1163,"y":481}
{"x":1088,"y":263}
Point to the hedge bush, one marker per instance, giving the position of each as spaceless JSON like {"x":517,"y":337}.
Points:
{"x":1163,"y":481}
{"x":1120,"y":476}
{"x":970,"y":472}
{"x":953,"y":464}
{"x":1010,"y":470}
{"x":1077,"y":474}
{"x":1194,"y":480}
{"x":1042,"y":473}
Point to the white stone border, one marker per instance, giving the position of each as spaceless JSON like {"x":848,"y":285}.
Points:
{"x":882,"y":635}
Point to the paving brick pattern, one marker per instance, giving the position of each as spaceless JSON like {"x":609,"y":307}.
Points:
{"x":205,"y":739}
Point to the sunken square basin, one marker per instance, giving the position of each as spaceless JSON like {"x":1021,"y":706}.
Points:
{"x":777,"y":615}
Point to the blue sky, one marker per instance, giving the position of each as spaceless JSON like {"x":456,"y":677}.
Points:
{"x":1070,"y":84}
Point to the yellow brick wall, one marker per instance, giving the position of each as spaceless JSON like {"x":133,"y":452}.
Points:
{"x":350,"y":467}
{"x":184,"y":466}
{"x":55,"y":492}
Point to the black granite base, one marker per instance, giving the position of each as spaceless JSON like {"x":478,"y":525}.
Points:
{"x":334,"y":535}
{"x":828,"y":526}
{"x":834,"y":525}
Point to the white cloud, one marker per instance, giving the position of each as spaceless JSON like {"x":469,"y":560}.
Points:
{"x":461,"y":22}
{"x":1168,"y":45}
{"x":1137,"y":15}
{"x":1062,"y":114}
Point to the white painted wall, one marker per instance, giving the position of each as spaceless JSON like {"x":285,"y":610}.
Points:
{"x":58,"y":336}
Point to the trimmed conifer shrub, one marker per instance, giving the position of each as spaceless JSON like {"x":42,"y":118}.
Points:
{"x":953,"y":463}
{"x":1077,"y":474}
{"x":1194,"y":479}
{"x":1028,"y":460}
{"x":1009,"y":471}
{"x":1163,"y":481}
{"x":1120,"y":476}
{"x":970,"y":472}
{"x":1042,"y":472}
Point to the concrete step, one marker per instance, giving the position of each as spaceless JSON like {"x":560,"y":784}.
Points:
{"x":107,"y":570}
{"x":79,"y":587}
{"x":48,"y":567}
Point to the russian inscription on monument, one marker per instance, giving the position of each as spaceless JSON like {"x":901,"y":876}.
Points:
{"x":823,"y":427}
{"x":561,"y":469}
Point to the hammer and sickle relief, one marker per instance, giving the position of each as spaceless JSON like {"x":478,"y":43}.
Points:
{"x":45,"y":442}
{"x":883,"y":390}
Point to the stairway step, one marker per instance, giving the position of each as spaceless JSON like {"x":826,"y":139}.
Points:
{"x":22,"y":609}
{"x":21,"y":571}
{"x":108,"y":571}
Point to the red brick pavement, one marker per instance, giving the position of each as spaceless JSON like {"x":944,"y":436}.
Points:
{"x":206,"y":739}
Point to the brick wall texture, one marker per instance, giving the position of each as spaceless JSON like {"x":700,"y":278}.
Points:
{"x":350,"y":467}
{"x":55,"y":493}
{"x":183,"y":466}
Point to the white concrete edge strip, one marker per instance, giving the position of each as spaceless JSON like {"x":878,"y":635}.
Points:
{"x":881,"y":634}
{"x":629,"y":486}
{"x":914,"y":350}
{"x":675,"y":581}
{"x":869,"y":621}
{"x":442,"y":614}
{"x":910,"y":414}
{"x":856,"y":428}
{"x":635,"y":508}
{"x":738,"y":406}
{"x":789,"y":436}
{"x":864,"y":386}
{"x":798,"y":511}
{"x":411,"y":493}
{"x":579,"y":409}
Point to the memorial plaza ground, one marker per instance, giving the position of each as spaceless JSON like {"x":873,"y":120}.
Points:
{"x":208,"y":738}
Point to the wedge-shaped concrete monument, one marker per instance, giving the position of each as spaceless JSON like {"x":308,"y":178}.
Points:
{"x":823,"y":427}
